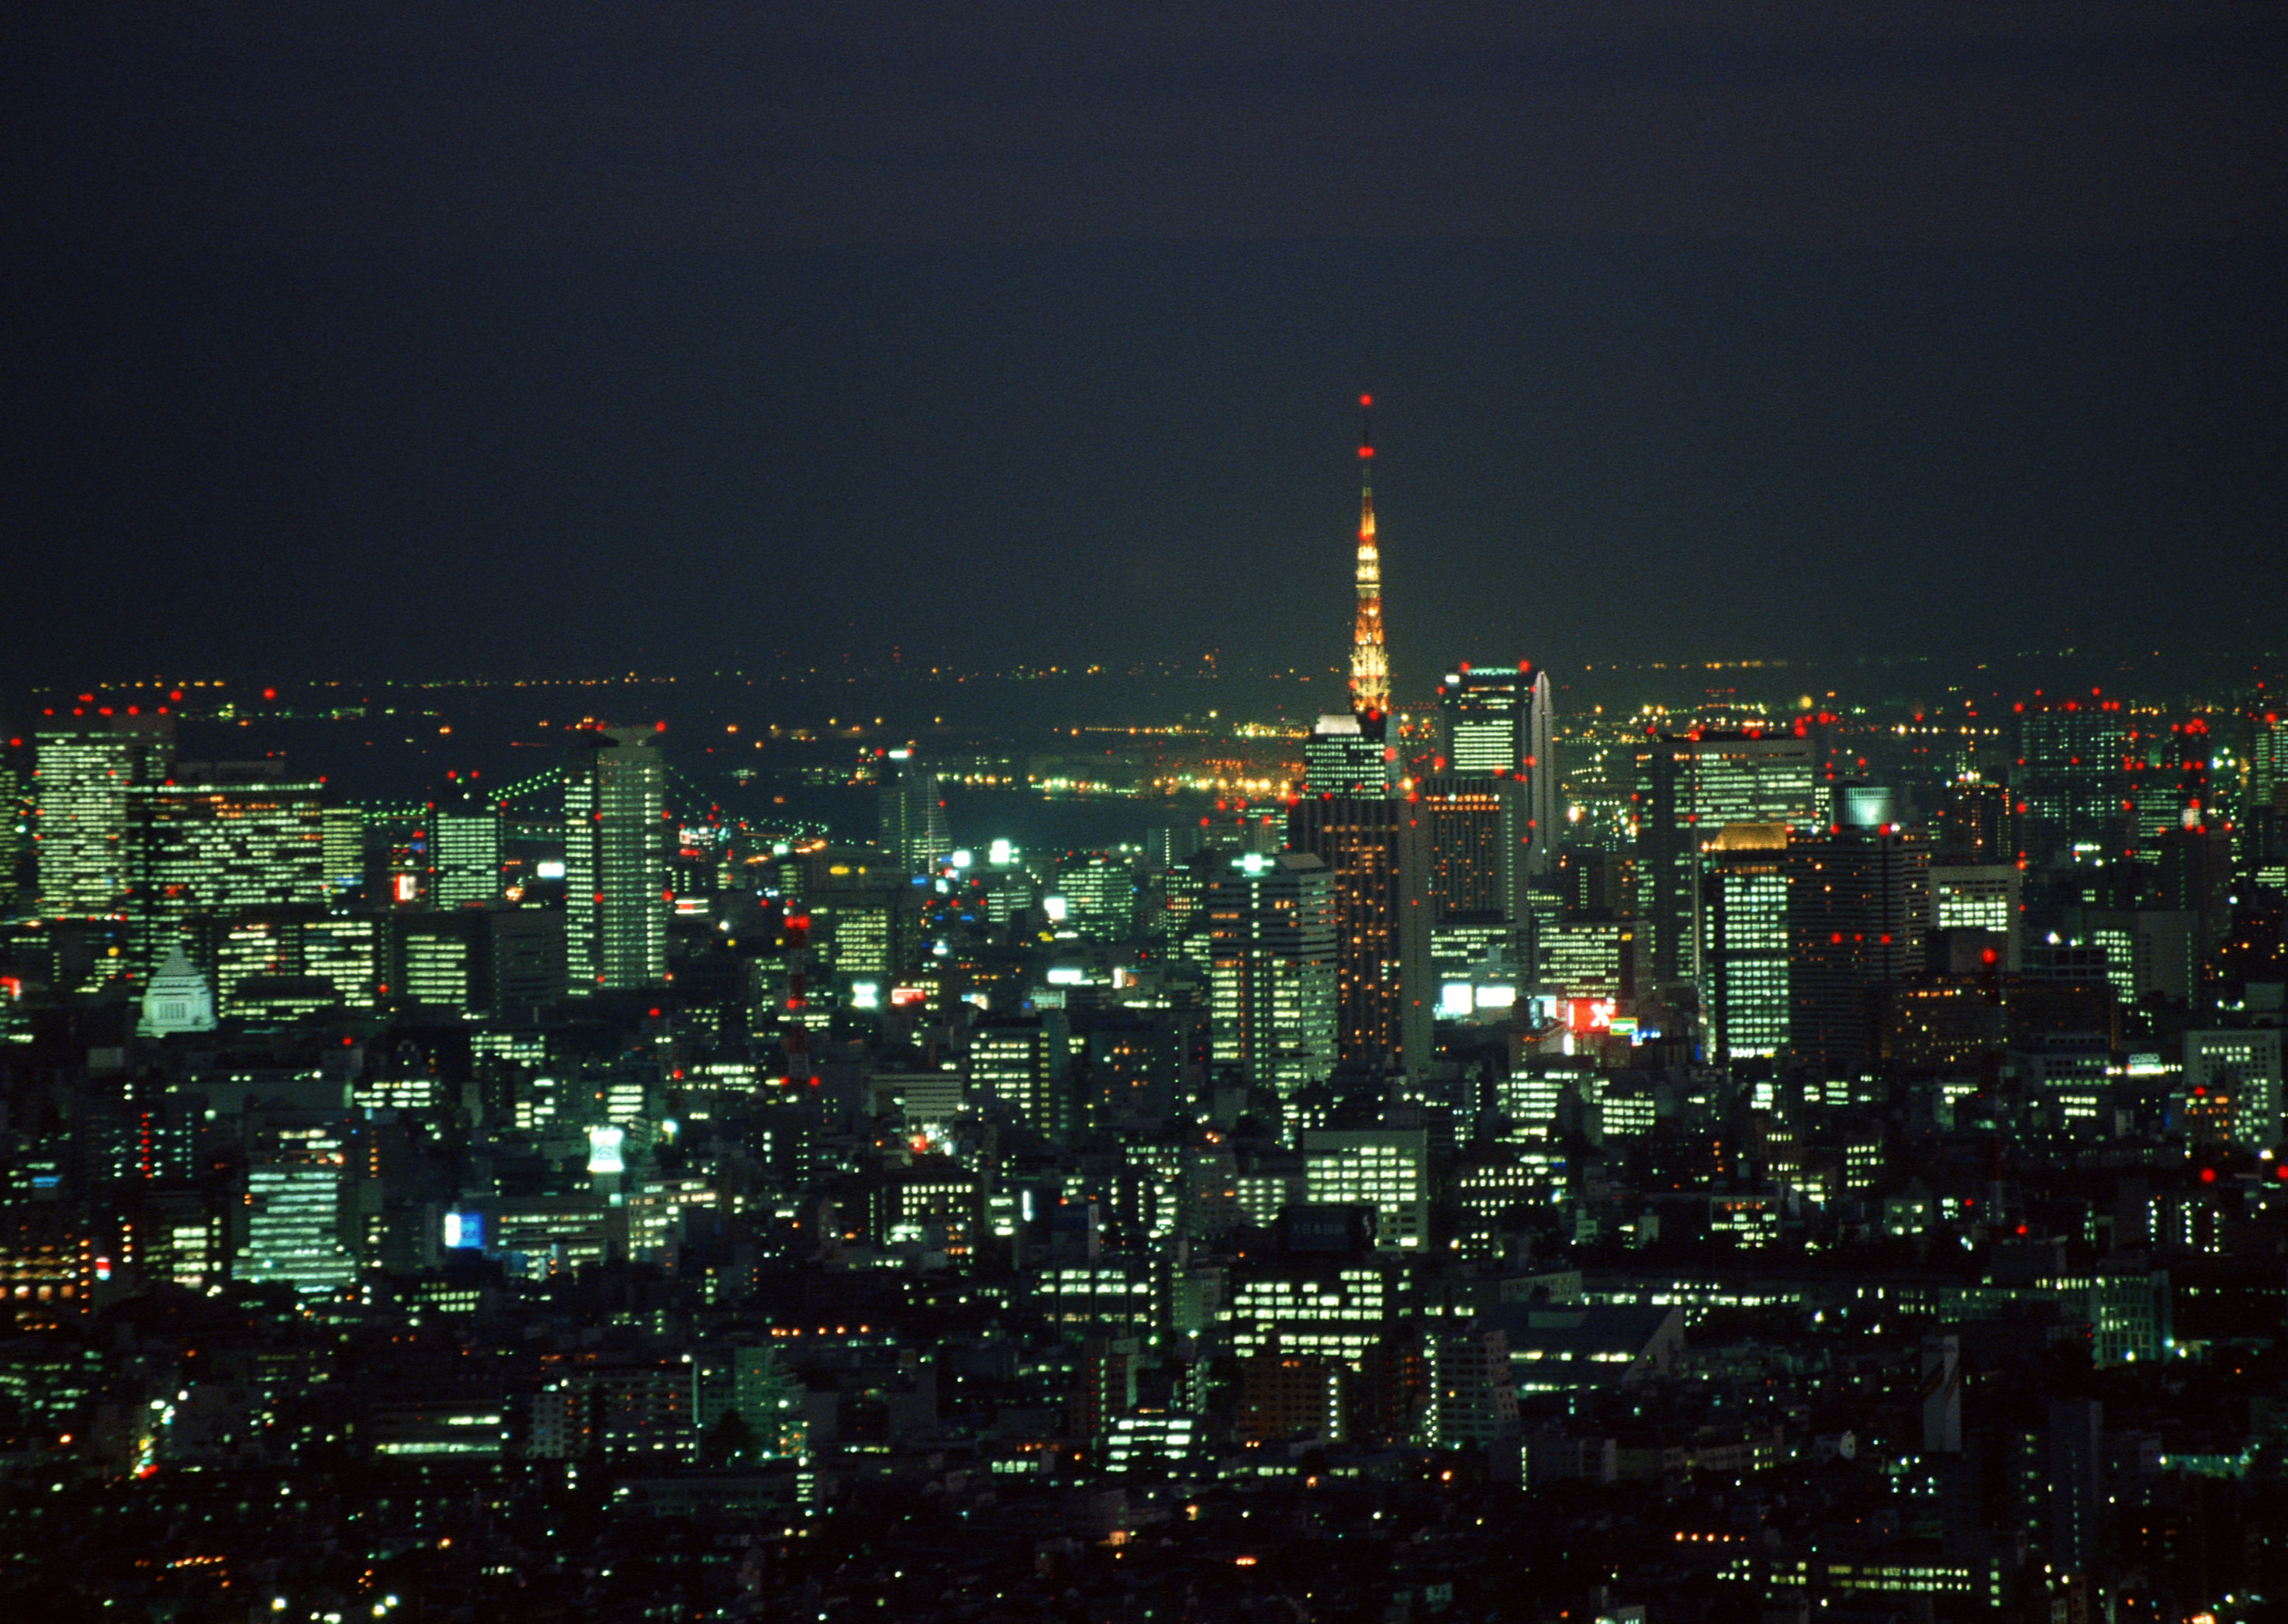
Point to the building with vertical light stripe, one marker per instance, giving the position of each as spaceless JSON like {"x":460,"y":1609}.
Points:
{"x":616,"y":878}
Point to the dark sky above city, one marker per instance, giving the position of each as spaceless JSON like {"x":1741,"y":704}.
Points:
{"x":428,"y":338}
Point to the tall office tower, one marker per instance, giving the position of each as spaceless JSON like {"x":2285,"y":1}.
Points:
{"x":1484,"y":715}
{"x":1980,"y":897}
{"x":1478,"y":857}
{"x":218,"y":837}
{"x":911,"y":815}
{"x":2070,"y":777}
{"x":1976,"y":825}
{"x":1100,"y":893}
{"x":465,"y":851}
{"x":1744,"y":945}
{"x":1369,"y":659}
{"x":2169,"y":785}
{"x":82,"y":834}
{"x":2267,"y":763}
{"x":1271,"y":969}
{"x":1351,"y":755}
{"x":1687,"y":787}
{"x":616,"y":897}
{"x":1859,"y":908}
{"x":1498,"y":723}
{"x":1376,"y":853}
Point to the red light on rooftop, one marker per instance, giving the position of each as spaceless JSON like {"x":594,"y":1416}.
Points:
{"x":1366,"y":450}
{"x":2208,"y":1176}
{"x":270,"y":694}
{"x":1366,"y":400}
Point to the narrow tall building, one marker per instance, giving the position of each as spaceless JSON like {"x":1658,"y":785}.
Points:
{"x":615,"y":884}
{"x":1376,"y":852}
{"x":1272,"y":971}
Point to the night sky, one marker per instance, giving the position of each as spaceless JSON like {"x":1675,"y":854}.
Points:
{"x":415,"y":340}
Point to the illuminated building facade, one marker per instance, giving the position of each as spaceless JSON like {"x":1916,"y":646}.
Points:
{"x":1349,"y":755}
{"x":1376,"y":852}
{"x":2169,"y":785}
{"x":1496,"y":724}
{"x":294,"y":1191}
{"x":84,"y":828}
{"x":2072,"y":780}
{"x":465,"y":848}
{"x":1745,"y":947}
{"x":1272,"y":971}
{"x":1018,"y":1063}
{"x":911,"y":815}
{"x":1980,"y":897}
{"x":220,"y":838}
{"x":1688,"y":787}
{"x":1859,"y":911}
{"x":616,"y":876}
{"x":2243,"y":1067}
{"x":1478,"y":853}
{"x":1386,"y":1169}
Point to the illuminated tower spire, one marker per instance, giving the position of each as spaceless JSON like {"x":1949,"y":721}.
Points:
{"x":1370,"y":663}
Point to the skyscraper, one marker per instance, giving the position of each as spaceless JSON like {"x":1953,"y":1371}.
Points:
{"x":1349,"y":754}
{"x":217,"y":838}
{"x":1272,"y":971}
{"x":2072,"y":779}
{"x":84,"y":843}
{"x":1860,"y":907}
{"x":1376,"y":852}
{"x":911,"y":815}
{"x":465,"y":851}
{"x":1743,"y":940}
{"x":615,"y":895}
{"x":1687,"y":787}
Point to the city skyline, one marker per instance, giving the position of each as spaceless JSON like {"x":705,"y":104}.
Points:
{"x":745,"y":870}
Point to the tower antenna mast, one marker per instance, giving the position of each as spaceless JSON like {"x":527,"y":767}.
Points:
{"x":1369,"y":660}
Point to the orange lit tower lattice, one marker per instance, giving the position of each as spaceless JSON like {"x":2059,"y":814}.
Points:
{"x":1369,"y":661}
